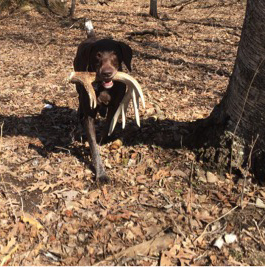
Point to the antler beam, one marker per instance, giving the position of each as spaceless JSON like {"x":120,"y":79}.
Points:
{"x":133,"y":92}
{"x":86,"y":78}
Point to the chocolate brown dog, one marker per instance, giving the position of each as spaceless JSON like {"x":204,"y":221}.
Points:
{"x":104,"y":57}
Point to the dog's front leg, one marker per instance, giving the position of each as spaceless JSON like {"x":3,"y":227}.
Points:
{"x":101,"y":176}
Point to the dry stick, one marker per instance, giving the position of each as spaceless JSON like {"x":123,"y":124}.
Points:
{"x":183,"y":4}
{"x":247,"y":169}
{"x":21,"y":199}
{"x":250,"y":235}
{"x":262,"y":220}
{"x":9,"y":199}
{"x":218,"y":219}
{"x":243,"y":109}
{"x":1,"y":135}
{"x":190,"y":181}
{"x":178,"y":229}
{"x":261,"y":236}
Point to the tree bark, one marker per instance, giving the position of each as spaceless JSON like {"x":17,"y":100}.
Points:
{"x":72,"y":8}
{"x":240,"y":117}
{"x":153,"y":8}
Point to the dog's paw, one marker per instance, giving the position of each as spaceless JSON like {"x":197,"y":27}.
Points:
{"x":103,"y":179}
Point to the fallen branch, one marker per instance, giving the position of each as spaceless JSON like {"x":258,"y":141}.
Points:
{"x":150,"y":247}
{"x":152,"y":32}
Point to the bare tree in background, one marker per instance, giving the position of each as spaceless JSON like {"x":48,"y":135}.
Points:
{"x":72,"y":8}
{"x":153,"y":9}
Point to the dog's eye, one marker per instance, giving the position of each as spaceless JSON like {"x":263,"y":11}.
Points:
{"x":98,"y":55}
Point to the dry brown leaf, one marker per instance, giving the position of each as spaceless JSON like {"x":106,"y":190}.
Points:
{"x":123,"y":215}
{"x":105,"y":192}
{"x":150,"y":247}
{"x":185,"y":256}
{"x":43,"y":186}
{"x":27,"y":218}
{"x":222,"y":198}
{"x":33,"y":232}
{"x":7,"y":258}
{"x":213,"y":259}
{"x":141,"y":179}
{"x":204,"y":215}
{"x":21,"y":228}
{"x":160,"y":174}
{"x":129,"y":235}
{"x":9,"y":245}
{"x":165,"y":259}
{"x":262,"y":193}
{"x":69,"y":213}
{"x":168,"y":256}
{"x":137,"y":230}
{"x":116,"y":144}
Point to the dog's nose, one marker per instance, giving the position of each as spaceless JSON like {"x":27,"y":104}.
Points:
{"x":106,"y":73}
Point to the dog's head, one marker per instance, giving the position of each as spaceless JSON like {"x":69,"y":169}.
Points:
{"x":106,"y":57}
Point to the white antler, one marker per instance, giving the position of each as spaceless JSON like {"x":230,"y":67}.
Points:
{"x":86,"y":78}
{"x":133,"y":92}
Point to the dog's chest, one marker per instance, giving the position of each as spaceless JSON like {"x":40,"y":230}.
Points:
{"x":104,"y":97}
{"x":108,"y":97}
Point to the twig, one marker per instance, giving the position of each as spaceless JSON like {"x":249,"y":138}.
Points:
{"x":218,"y":219}
{"x":152,"y":32}
{"x":261,"y":221}
{"x":1,"y":135}
{"x":183,"y":4}
{"x":250,"y":235}
{"x":261,"y":236}
{"x":201,"y":256}
{"x":178,"y":229}
{"x":9,"y":199}
{"x":190,"y":193}
{"x":247,"y":169}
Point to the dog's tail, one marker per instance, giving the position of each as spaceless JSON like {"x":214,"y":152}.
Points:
{"x":89,"y":29}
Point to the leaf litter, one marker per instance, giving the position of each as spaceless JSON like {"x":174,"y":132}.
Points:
{"x":162,"y":207}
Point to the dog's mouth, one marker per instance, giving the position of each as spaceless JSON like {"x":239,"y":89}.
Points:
{"x":107,"y":84}
{"x":106,"y":79}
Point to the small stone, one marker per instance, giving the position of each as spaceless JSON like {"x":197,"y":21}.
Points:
{"x":219,"y":242}
{"x":81,"y":237}
{"x":230,"y":238}
{"x":201,"y":176}
{"x":260,"y":203}
{"x":116,"y":144}
{"x":211,"y":178}
{"x":178,"y":173}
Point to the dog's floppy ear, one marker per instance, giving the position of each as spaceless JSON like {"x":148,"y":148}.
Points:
{"x":126,"y":55}
{"x":82,"y":59}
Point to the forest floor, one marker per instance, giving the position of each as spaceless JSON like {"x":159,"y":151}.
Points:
{"x":163,"y":207}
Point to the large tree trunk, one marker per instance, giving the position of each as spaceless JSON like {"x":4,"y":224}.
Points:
{"x":238,"y":122}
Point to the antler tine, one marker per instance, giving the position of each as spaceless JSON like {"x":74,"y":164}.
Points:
{"x":86,"y":79}
{"x":121,"y":110}
{"x":136,"y":106}
{"x":133,"y":92}
{"x":129,"y":80}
